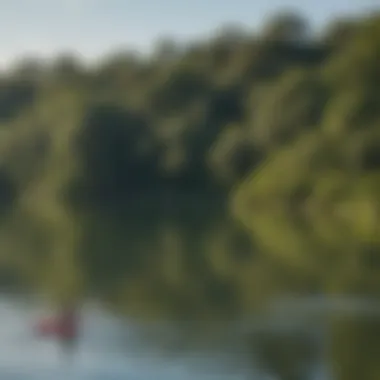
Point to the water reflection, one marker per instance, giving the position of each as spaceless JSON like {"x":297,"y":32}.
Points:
{"x":355,"y":347}
{"x":286,"y":298}
{"x":290,"y":356}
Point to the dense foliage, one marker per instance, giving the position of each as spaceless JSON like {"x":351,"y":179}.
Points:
{"x":283,"y":119}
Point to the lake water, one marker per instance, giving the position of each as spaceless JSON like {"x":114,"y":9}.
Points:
{"x":111,"y":347}
{"x":188,"y":294}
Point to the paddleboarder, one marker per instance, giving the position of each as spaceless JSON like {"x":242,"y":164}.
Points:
{"x":64,"y":327}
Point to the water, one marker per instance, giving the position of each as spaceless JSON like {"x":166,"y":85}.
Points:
{"x":109,"y":348}
{"x":288,"y":303}
{"x":114,"y":348}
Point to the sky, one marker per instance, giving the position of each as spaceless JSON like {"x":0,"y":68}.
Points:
{"x":95,"y":27}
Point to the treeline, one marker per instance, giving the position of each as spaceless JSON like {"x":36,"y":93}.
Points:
{"x":300,"y":109}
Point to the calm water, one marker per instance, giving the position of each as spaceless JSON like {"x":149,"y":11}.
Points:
{"x":189,"y":294}
{"x":297,"y":345}
{"x":109,"y":348}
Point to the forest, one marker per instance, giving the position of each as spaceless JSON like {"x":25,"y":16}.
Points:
{"x":284,"y":120}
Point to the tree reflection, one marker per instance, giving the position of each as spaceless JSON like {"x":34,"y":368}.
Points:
{"x":355,"y":348}
{"x":197,"y":265}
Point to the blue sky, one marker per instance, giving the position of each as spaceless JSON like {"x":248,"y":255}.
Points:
{"x":97,"y":26}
